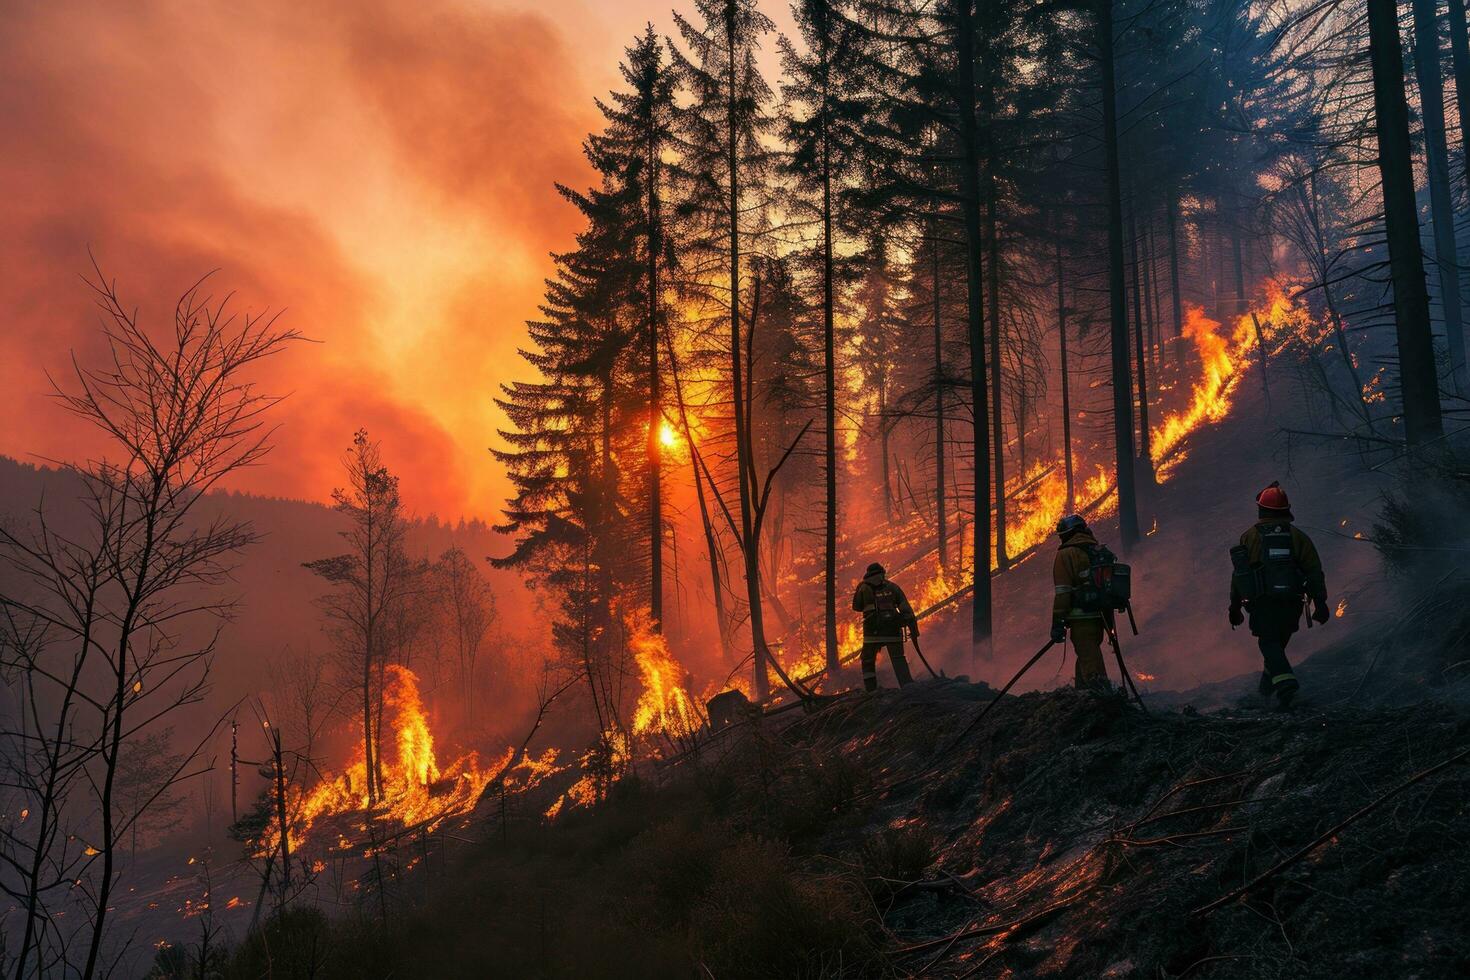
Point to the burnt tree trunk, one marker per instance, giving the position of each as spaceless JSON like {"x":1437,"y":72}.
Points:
{"x":829,"y":353}
{"x":992,"y":260}
{"x":1066,"y":386}
{"x":1145,"y":455}
{"x":1418,"y":380}
{"x":980,"y":616}
{"x":1460,"y":52}
{"x":1442,"y":212}
{"x":1151,"y":293}
{"x":1128,"y":532}
{"x":1176,"y":296}
{"x":941,"y":517}
{"x":655,"y":410}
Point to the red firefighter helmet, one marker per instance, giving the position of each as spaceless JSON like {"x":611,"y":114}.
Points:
{"x":1273,"y":498}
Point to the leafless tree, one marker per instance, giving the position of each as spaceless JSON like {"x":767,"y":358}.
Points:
{"x":148,"y":795}
{"x":304,"y":702}
{"x":100,"y":621}
{"x":468,"y":608}
{"x":370,"y":580}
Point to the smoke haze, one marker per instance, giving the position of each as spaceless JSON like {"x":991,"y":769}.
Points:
{"x":381,"y":172}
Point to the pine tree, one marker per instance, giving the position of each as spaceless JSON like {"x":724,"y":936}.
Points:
{"x":824,"y":110}
{"x":724,"y":169}
{"x":1441,"y":211}
{"x":923,"y":150}
{"x":629,"y":152}
{"x":568,"y":515}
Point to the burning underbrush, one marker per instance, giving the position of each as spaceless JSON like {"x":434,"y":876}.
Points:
{"x":1068,"y":836}
{"x":416,"y":791}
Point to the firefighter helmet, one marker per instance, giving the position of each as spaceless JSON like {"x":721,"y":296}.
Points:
{"x":1069,"y":524}
{"x":876,"y":569}
{"x":1273,"y":498}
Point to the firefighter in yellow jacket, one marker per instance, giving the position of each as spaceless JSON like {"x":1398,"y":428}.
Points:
{"x":1276,"y":567}
{"x":886,"y":612}
{"x":1069,"y":571}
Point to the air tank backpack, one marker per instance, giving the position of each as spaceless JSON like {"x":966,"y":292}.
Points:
{"x":1108,"y":585}
{"x":1245,"y":581}
{"x":1281,"y":576}
{"x":1277,"y":576}
{"x":885,"y":603}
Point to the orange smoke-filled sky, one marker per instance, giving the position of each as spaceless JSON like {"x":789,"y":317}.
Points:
{"x":382,"y":171}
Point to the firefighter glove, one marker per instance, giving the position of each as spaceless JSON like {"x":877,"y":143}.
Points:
{"x":1319,"y":610}
{"x":1236,"y":616}
{"x":914,"y":630}
{"x":1058,"y":632}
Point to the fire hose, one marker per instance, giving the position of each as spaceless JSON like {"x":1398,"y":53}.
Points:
{"x":914,"y":639}
{"x":934,"y":760}
{"x":1118,"y":652}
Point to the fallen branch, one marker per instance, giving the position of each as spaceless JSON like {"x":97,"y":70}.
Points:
{"x":1175,"y":838}
{"x":994,"y":930}
{"x":1332,"y":832}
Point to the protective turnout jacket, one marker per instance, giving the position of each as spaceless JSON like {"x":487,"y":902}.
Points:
{"x":1068,"y":571}
{"x":1303,"y":553}
{"x":884,"y":607}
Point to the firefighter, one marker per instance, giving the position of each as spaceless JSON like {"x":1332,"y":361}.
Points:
{"x":1070,"y":570}
{"x":1276,"y":567}
{"x":886,"y":611}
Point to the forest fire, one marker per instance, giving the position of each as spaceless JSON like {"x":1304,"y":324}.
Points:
{"x":665,"y":706}
{"x":415,"y":789}
{"x":1039,"y":497}
{"x":1222,"y":360}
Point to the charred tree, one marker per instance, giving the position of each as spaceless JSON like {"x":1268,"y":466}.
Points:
{"x":1175,"y":295}
{"x":1117,"y":310}
{"x":970,"y":205}
{"x":1441,"y":210}
{"x":1418,"y":379}
{"x":1140,"y":306}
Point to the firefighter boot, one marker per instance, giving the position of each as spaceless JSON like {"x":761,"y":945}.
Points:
{"x":1264,"y":687}
{"x":1286,"y":689}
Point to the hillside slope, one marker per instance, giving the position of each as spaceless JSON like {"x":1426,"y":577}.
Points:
{"x":1065,"y":836}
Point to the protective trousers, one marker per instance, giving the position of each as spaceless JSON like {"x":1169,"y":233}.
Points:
{"x":1087,"y":637}
{"x":895,"y":656}
{"x":1272,"y":624}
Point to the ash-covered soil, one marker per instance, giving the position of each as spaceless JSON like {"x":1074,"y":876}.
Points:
{"x":1065,"y":835}
{"x":1074,"y":836}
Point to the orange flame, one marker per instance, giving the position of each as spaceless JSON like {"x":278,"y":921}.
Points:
{"x":1038,"y":498}
{"x":665,"y":705}
{"x":415,"y":788}
{"x":1224,"y":360}
{"x":1221,"y":360}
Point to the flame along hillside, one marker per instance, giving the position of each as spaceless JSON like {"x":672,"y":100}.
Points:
{"x":667,"y":713}
{"x":418,"y":792}
{"x":1037,"y":499}
{"x":422,"y":792}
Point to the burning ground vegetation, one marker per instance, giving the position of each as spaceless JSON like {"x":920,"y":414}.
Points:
{"x":1070,"y":835}
{"x":789,"y":830}
{"x":1066,"y":834}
